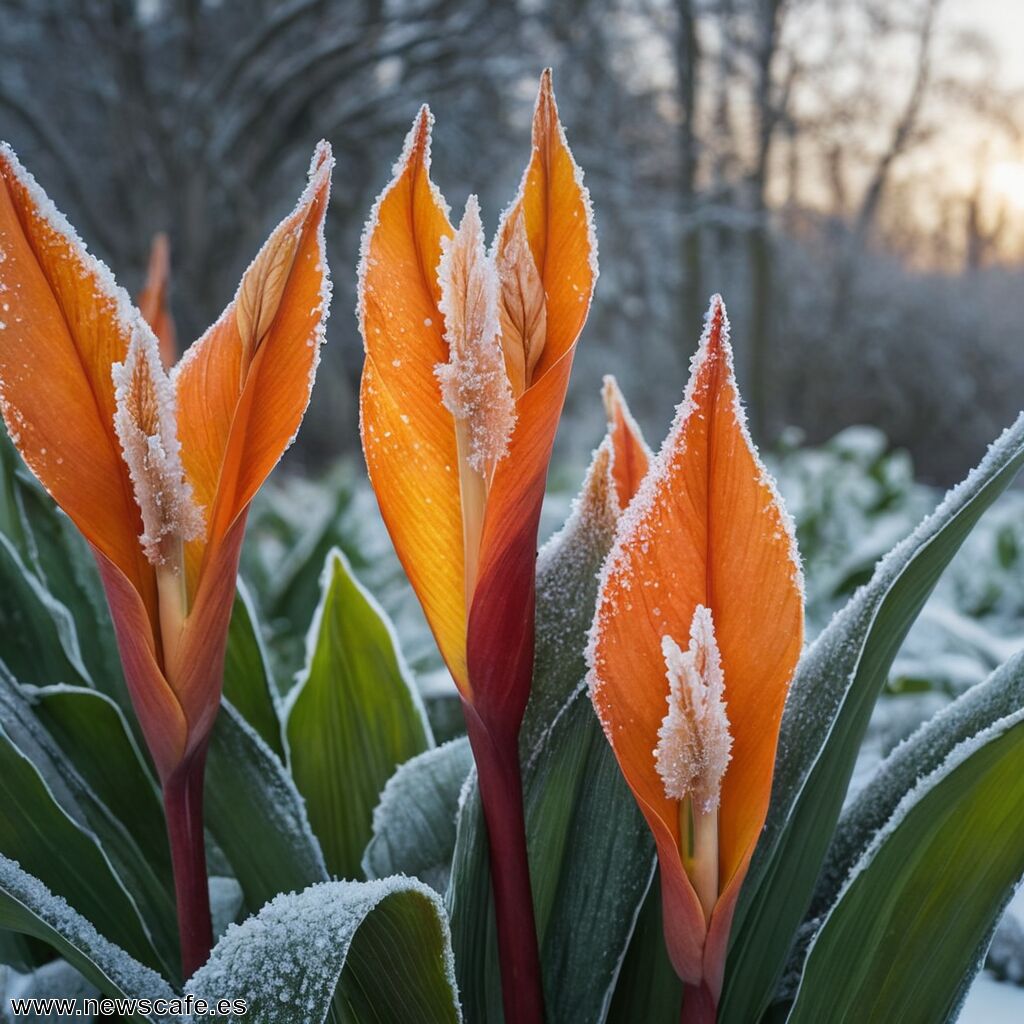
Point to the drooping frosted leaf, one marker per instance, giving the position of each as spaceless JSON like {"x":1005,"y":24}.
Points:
{"x":52,"y":820}
{"x":29,"y":907}
{"x":374,"y":952}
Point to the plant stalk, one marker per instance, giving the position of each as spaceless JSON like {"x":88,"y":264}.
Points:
{"x":698,"y":1005}
{"x":183,"y":808}
{"x":501,"y":792}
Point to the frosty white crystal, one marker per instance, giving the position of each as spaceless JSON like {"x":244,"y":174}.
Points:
{"x":146,"y":426}
{"x":694,"y":742}
{"x":474,"y":386}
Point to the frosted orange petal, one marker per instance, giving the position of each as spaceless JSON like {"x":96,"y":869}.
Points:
{"x":243,"y":388}
{"x":408,"y":435}
{"x":707,"y":527}
{"x":631,"y":456}
{"x":556,"y":209}
{"x":154,"y":299}
{"x":64,"y":322}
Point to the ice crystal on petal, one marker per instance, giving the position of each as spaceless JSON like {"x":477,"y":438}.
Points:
{"x":474,"y":386}
{"x":694,"y":742}
{"x":146,"y":426}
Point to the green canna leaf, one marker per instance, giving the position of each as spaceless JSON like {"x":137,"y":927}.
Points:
{"x":414,"y":823}
{"x":28,"y":907}
{"x":40,"y":639}
{"x":833,"y":693}
{"x":47,"y":820}
{"x":256,"y":815}
{"x":976,"y":710}
{"x":248,"y":683}
{"x":353,"y":717}
{"x":902,"y":940}
{"x":347,"y":952}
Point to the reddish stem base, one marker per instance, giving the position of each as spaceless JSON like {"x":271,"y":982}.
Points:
{"x":698,"y":1005}
{"x":501,"y":792}
{"x":183,"y":808}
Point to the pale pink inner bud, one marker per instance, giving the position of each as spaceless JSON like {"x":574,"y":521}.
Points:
{"x":694,"y":742}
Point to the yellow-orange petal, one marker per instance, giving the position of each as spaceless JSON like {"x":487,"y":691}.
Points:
{"x":408,"y":435}
{"x":154,"y":299}
{"x":63,"y":323}
{"x":706,"y":528}
{"x":243,"y":387}
{"x":631,"y":456}
{"x":555,"y":207}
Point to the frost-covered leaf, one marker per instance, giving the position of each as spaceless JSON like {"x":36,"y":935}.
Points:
{"x":831,"y":699}
{"x":353,"y":717}
{"x":414,"y":823}
{"x":93,"y":733}
{"x":27,"y":906}
{"x":980,"y":707}
{"x":256,"y":814}
{"x":64,"y":853}
{"x":925,"y":895}
{"x":40,"y":640}
{"x":353,"y":952}
{"x":248,"y":683}
{"x":54,"y":821}
{"x":573,"y":789}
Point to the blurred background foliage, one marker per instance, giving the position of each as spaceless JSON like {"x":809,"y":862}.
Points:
{"x":848,"y":173}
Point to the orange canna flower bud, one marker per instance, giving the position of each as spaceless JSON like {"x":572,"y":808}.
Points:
{"x":698,"y":629}
{"x":157,"y":471}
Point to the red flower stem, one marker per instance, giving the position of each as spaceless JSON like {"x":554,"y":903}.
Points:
{"x":183,"y":808}
{"x":698,"y":1005}
{"x":501,"y":792}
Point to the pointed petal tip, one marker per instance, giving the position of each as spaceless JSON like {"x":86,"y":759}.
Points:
{"x":323,"y":154}
{"x":611,"y":395}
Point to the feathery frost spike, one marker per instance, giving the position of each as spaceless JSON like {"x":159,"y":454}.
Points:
{"x":474,"y":386}
{"x":524,"y":317}
{"x":694,"y":742}
{"x":146,"y":427}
